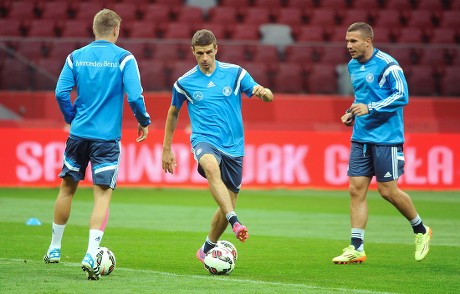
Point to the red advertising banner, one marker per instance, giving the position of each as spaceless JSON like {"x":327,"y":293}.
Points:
{"x":274,"y":159}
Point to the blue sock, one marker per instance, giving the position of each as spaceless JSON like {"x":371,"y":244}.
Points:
{"x":417,"y":225}
{"x":208,"y":245}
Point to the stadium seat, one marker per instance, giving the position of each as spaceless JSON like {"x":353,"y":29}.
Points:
{"x":10,"y":27}
{"x":279,"y":35}
{"x":188,"y":14}
{"x":234,"y":3}
{"x":353,"y":15}
{"x":270,"y":4}
{"x":421,"y":19}
{"x":219,"y":29}
{"x":33,"y":50}
{"x":437,"y":55}
{"x":334,"y":4}
{"x":410,"y":35}
{"x":244,"y":32}
{"x":76,"y":28}
{"x":174,"y":30}
{"x":449,"y":81}
{"x":256,"y":15}
{"x":435,"y":6}
{"x":302,"y":5}
{"x":322,"y":79}
{"x":337,"y":33}
{"x":443,"y":35}
{"x":179,"y":68}
{"x":141,"y":29}
{"x":406,"y":56}
{"x":127,"y":11}
{"x":165,"y":51}
{"x":140,"y":50}
{"x":259,"y":71}
{"x":87,"y":10}
{"x":311,"y":33}
{"x":289,"y":78}
{"x":366,"y":4}
{"x":22,"y":10}
{"x":61,"y":49}
{"x":221,"y":14}
{"x":204,"y":5}
{"x":55,"y":9}
{"x":233,"y":53}
{"x":420,"y":80}
{"x":46,"y":73}
{"x":402,"y":5}
{"x":42,"y":28}
{"x":300,"y":54}
{"x":382,"y":35}
{"x":450,"y":19}
{"x":156,"y":13}
{"x":291,"y":16}
{"x":323,"y":17}
{"x":333,"y":55}
{"x":15,"y":75}
{"x":153,"y":75}
{"x":264,"y":53}
{"x":388,"y":18}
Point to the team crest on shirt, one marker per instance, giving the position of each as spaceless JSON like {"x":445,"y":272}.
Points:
{"x":227,"y":91}
{"x":369,"y":78}
{"x":197,"y":96}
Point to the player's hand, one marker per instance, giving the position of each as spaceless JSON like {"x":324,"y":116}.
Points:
{"x":348,"y":119}
{"x":142,"y":132}
{"x":263,"y":93}
{"x":168,"y":161}
{"x":359,"y":109}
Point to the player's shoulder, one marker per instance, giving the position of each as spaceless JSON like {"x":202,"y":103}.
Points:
{"x":190,"y":75}
{"x":226,"y":66}
{"x":384,"y":58}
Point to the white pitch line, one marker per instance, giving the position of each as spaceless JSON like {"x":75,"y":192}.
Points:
{"x":210,"y":277}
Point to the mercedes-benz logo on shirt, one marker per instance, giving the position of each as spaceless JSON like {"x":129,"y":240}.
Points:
{"x":197,"y":96}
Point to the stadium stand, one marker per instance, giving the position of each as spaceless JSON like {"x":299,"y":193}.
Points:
{"x":418,"y":33}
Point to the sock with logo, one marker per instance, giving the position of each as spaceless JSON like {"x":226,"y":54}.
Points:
{"x":56,"y":236}
{"x":95,"y":238}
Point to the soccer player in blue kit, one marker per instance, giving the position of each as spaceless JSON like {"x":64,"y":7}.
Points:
{"x":101,"y":72}
{"x":213,"y":90}
{"x":376,"y":115}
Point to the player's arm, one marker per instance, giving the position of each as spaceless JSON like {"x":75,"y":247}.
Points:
{"x":64,"y":87}
{"x":167,"y":158}
{"x":263,"y":93}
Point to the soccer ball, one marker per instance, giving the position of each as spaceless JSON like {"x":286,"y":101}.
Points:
{"x":105,"y":260}
{"x":219,"y":261}
{"x":229,"y":246}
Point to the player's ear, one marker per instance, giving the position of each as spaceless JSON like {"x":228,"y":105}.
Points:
{"x":216,"y":48}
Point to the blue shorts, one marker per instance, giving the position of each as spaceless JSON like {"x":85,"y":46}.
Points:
{"x":103,"y":155}
{"x":386,"y":163}
{"x":231,"y":168}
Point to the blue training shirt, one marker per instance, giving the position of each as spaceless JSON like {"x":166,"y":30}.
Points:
{"x":380,"y":84}
{"x":102,"y":72}
{"x":214,"y":105}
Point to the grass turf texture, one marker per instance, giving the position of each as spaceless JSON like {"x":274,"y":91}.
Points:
{"x":293,"y":237}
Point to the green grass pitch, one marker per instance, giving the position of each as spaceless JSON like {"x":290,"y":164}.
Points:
{"x":155,"y":233}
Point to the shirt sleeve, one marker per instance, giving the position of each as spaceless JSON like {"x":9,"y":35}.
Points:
{"x":64,"y":87}
{"x":133,"y":88}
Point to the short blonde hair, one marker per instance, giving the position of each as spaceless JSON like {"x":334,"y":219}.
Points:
{"x":104,"y":22}
{"x":364,"y":28}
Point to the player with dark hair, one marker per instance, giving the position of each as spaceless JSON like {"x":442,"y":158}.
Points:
{"x":376,"y":115}
{"x":213,"y":90}
{"x":101,"y":72}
